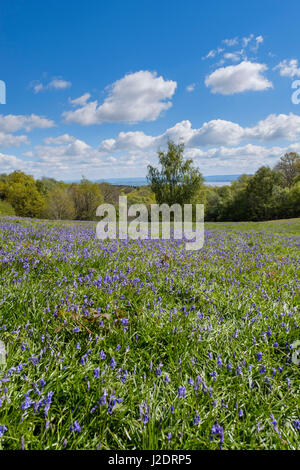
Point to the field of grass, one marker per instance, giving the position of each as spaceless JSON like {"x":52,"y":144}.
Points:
{"x":144,"y":345}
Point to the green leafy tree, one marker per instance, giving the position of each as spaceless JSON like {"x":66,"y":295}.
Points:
{"x":6,"y":208}
{"x":21,"y":192}
{"x":60,"y":205}
{"x":177,"y":181}
{"x":46,"y":185}
{"x":86,"y":197}
{"x":261,"y":204}
{"x":289,"y":167}
{"x":294,"y":200}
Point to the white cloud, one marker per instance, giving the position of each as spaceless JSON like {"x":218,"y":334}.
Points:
{"x":231,"y":42}
{"x":10,"y":140}
{"x":54,"y":84}
{"x":14,"y":123}
{"x":139,"y":96}
{"x":249,"y":43}
{"x":182,"y":131}
{"x":238,"y":78}
{"x":212,"y":133}
{"x":211,"y":54}
{"x":62,"y":139}
{"x":128,"y":141}
{"x":246,"y":40}
{"x":275,"y":127}
{"x":38,"y":87}
{"x":64,"y":148}
{"x":81,"y":101}
{"x":9,"y":163}
{"x":259,"y":40}
{"x":190,"y":87}
{"x":288,"y":68}
{"x":217,"y":132}
{"x":234,"y":56}
{"x":59,"y":84}
{"x":247,"y":158}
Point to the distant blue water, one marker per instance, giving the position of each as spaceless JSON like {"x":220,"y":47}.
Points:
{"x":211,"y":180}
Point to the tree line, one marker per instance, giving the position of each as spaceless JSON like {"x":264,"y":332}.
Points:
{"x":271,"y":193}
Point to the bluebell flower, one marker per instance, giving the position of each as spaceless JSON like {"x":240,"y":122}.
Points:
{"x":259,"y":356}
{"x":262,"y":370}
{"x":102,"y":355}
{"x":218,"y":431}
{"x":3,"y":429}
{"x":75,"y":427}
{"x":274,"y":422}
{"x":112,"y":363}
{"x":296,"y":424}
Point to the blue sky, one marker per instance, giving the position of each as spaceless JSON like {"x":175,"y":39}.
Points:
{"x":95,"y":88}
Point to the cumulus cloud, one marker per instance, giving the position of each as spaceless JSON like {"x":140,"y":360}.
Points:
{"x":288,"y":68}
{"x":247,"y":158}
{"x":82,"y":159}
{"x":182,"y":131}
{"x":61,"y":139}
{"x":217,"y":132}
{"x":212,"y":133}
{"x":139,"y":96}
{"x":10,"y":163}
{"x":14,"y":123}
{"x":274,"y":127}
{"x":10,"y":140}
{"x":233,"y":79}
{"x":64,"y":147}
{"x":217,"y":146}
{"x":81,"y":101}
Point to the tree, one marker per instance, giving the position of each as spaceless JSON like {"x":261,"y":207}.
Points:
{"x":177,"y":182}
{"x":294,"y":200}
{"x":289,"y":167}
{"x":6,"y":208}
{"x":21,"y":192}
{"x":60,"y":205}
{"x":86,"y":197}
{"x":260,"y":194}
{"x":46,"y":185}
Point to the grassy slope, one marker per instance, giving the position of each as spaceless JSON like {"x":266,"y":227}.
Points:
{"x":198,"y":318}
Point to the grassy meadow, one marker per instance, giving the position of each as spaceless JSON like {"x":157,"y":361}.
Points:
{"x":144,"y":345}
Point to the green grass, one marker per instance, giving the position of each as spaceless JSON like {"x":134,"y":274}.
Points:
{"x":198,"y":319}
